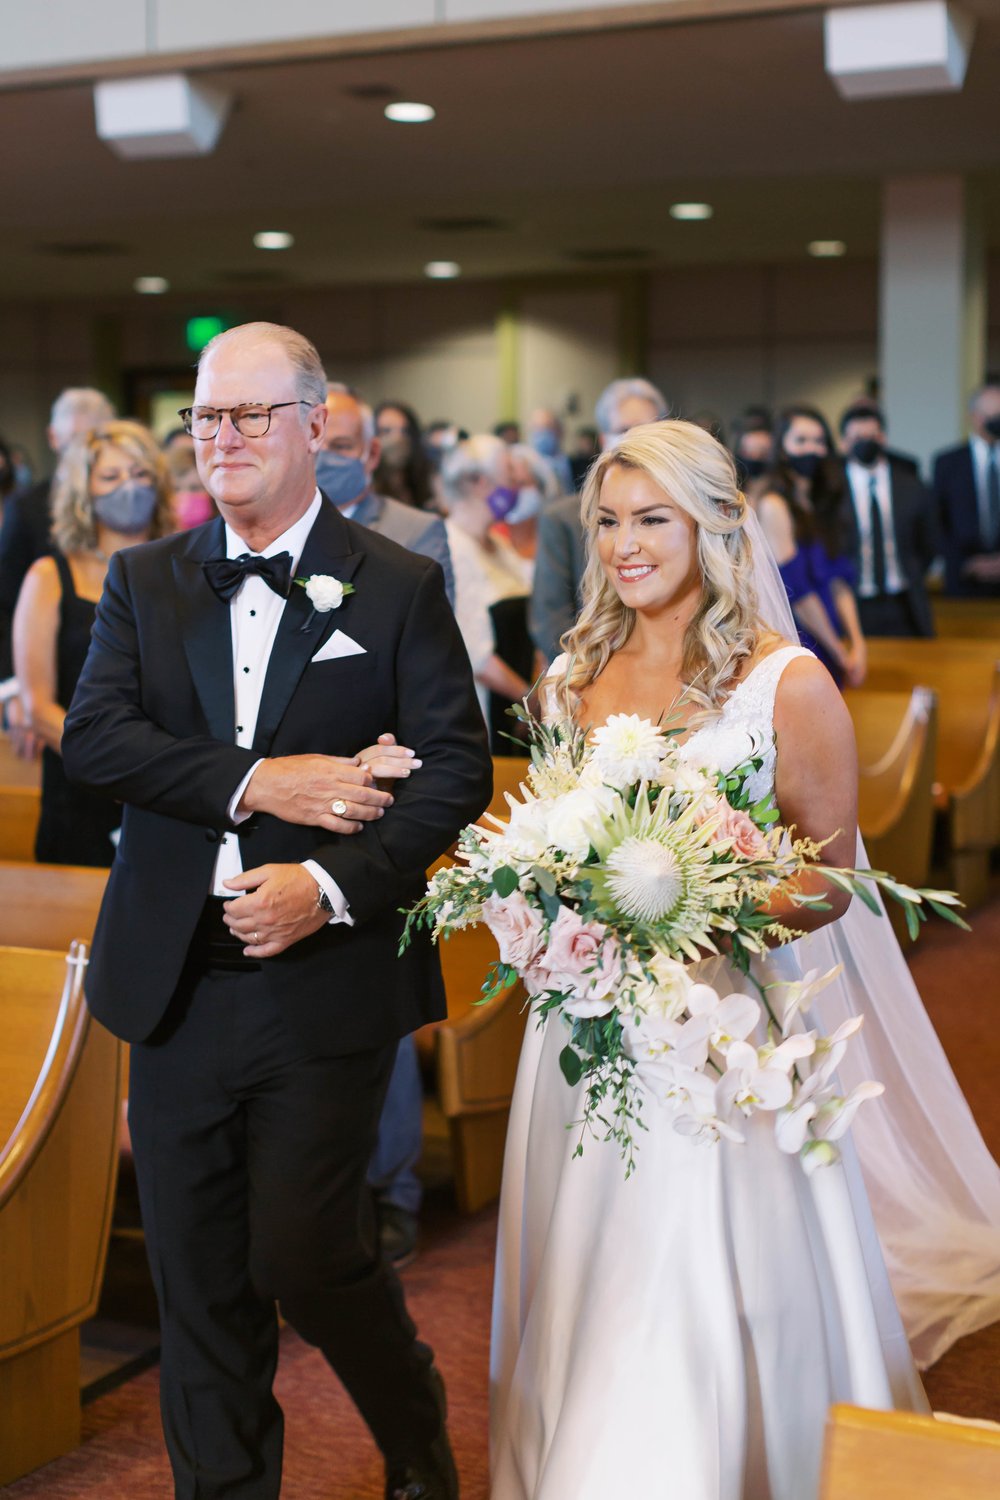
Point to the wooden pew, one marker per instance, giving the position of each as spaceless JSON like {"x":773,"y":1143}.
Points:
{"x":897,"y":745}
{"x":896,"y":1455}
{"x":13,"y":770}
{"x":971,"y":619}
{"x":60,"y":1088}
{"x":48,"y":906}
{"x":965,"y":677}
{"x":19,"y":811}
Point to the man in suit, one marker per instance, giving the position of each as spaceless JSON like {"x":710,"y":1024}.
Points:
{"x":24,"y":536}
{"x":344,"y":470}
{"x":562,"y":550}
{"x":966,"y":486}
{"x":890,"y":526}
{"x":231,"y":683}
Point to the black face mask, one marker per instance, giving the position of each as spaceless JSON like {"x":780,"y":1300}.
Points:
{"x":807,"y":465}
{"x":866,"y":451}
{"x":992,"y":425}
{"x":754,"y":468}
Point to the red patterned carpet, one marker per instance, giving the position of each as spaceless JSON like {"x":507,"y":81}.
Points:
{"x":328,"y":1453}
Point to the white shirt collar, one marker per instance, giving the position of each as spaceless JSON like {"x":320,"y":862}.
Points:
{"x":293,"y":540}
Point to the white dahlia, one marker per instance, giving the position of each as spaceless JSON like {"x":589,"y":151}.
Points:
{"x":628,"y":749}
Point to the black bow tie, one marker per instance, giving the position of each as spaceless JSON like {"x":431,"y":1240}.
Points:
{"x":226,"y":574}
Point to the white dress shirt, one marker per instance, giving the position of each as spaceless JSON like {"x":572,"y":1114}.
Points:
{"x":983,"y":454}
{"x":860,"y":479}
{"x":254,"y":614}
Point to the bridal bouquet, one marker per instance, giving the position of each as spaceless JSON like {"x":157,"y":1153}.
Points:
{"x":621,"y":866}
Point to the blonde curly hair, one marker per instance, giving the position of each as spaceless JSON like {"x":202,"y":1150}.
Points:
{"x":699,"y":476}
{"x":74,"y":528}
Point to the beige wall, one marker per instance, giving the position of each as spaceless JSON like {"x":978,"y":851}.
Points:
{"x":718,"y":337}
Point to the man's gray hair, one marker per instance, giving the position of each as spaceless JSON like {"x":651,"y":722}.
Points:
{"x":339,"y":388}
{"x":303,"y":356}
{"x":612,"y":396}
{"x":477,"y":456}
{"x":78,"y":408}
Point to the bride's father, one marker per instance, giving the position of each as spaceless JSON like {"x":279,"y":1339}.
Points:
{"x":230,"y":713}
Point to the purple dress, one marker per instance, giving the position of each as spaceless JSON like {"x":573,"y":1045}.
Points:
{"x":813,"y":571}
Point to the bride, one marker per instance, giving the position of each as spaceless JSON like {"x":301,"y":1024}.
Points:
{"x":683,"y":1334}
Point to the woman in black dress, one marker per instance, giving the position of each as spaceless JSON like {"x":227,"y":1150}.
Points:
{"x":111,"y":490}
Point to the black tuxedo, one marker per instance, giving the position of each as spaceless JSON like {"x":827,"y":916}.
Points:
{"x":916,"y":546}
{"x":957,"y":497}
{"x":256,"y":1087}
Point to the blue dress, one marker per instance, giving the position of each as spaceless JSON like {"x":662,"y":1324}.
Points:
{"x":813,"y":571}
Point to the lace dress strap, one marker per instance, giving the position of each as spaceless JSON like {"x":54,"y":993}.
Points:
{"x":753,"y":699}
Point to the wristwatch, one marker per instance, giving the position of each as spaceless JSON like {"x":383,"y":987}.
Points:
{"x":323,"y":902}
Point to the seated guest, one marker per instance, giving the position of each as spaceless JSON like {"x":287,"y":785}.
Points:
{"x":477,"y":480}
{"x":404,"y":470}
{"x":561,"y":556}
{"x":891,"y":527}
{"x":803,"y":515}
{"x":966,"y":487}
{"x":26,"y":518}
{"x":110,"y":490}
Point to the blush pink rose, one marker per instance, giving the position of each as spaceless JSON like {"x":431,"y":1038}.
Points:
{"x":517,"y":927}
{"x":582,"y":961}
{"x":747,"y":839}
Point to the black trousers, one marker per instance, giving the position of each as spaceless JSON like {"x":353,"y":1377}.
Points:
{"x":251,"y":1157}
{"x":888,"y":614}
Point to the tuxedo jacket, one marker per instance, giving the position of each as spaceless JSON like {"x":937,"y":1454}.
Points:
{"x":416,"y":530}
{"x":913,"y":522}
{"x":152,"y":724}
{"x":957,"y":498}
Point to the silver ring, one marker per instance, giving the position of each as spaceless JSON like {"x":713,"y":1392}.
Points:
{"x":255,"y":939}
{"x":338,"y":807}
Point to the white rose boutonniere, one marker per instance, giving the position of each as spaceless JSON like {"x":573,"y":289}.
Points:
{"x":324,"y":593}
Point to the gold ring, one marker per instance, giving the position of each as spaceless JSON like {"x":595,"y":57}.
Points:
{"x":256,"y":938}
{"x":338,"y":807}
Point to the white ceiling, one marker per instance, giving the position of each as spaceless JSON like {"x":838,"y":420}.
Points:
{"x":576,"y":145}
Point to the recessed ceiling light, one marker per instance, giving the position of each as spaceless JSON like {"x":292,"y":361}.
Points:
{"x":409,"y":113}
{"x":691,"y":210}
{"x":827,"y":249}
{"x":442,"y":270}
{"x":274,"y":239}
{"x":151,"y":286}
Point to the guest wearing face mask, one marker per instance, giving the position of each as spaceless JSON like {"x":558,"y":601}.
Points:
{"x":753,"y":450}
{"x":804,"y":517}
{"x":491,"y":579}
{"x":537,"y":487}
{"x":110,"y":490}
{"x":193,"y":505}
{"x":891,"y":529}
{"x":404,"y":470}
{"x":545,"y":435}
{"x":967,"y":491}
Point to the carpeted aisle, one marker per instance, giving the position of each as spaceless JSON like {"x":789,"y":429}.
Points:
{"x":328,"y":1454}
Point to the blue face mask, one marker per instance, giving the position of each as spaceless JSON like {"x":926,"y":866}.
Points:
{"x":343,"y":480}
{"x":501,"y":501}
{"x":529,"y":503}
{"x":545,"y":442}
{"x":128,"y":508}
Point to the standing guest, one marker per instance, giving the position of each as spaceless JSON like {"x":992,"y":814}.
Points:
{"x":899,"y":460}
{"x":404,"y":470}
{"x":588,"y":446}
{"x":193,"y":505}
{"x":344,"y":469}
{"x":227,"y":708}
{"x":26,"y":518}
{"x":478,"y":483}
{"x":561,"y":558}
{"x":8,"y":475}
{"x":537,"y":487}
{"x":545,"y":434}
{"x":891,"y":527}
{"x":508,"y":432}
{"x":804,"y":517}
{"x":966,"y":487}
{"x":753,"y":450}
{"x":110,"y":491}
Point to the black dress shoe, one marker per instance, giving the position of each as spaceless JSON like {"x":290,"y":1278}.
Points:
{"x":431,"y":1475}
{"x":397,"y":1233}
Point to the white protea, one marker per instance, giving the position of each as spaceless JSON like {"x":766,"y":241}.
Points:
{"x":628,"y":749}
{"x":645,"y":878}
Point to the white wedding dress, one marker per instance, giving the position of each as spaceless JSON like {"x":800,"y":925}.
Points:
{"x":681,"y":1335}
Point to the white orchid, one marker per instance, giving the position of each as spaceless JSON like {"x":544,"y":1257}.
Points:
{"x":729,"y":1018}
{"x":788,"y":996}
{"x":751,"y":1082}
{"x":628,"y":749}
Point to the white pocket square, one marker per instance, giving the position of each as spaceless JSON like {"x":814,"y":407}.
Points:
{"x":339,"y":644}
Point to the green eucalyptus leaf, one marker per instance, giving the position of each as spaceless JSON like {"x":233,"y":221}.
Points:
{"x":505,"y":881}
{"x":571,"y":1065}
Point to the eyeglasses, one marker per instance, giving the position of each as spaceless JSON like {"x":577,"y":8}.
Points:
{"x":252,"y":419}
